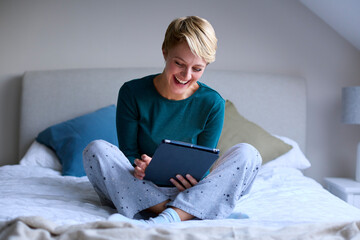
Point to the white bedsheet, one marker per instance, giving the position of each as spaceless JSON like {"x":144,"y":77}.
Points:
{"x":279,"y":197}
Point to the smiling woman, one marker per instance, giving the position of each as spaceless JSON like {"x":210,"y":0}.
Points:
{"x":182,"y":71}
{"x":189,"y":46}
{"x":171,"y":105}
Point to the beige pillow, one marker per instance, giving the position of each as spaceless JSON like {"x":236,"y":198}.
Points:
{"x":238,"y":129}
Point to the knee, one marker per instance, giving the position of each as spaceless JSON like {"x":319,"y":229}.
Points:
{"x":101,"y":150}
{"x":247,"y":152}
{"x":93,"y":149}
{"x":95,"y":146}
{"x":98,"y":146}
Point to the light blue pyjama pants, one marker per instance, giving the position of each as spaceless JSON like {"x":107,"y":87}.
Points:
{"x":214,"y":197}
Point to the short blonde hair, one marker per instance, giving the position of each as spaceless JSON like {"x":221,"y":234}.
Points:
{"x":197,"y":32}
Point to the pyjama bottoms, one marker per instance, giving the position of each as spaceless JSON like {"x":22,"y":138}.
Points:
{"x":214,"y":197}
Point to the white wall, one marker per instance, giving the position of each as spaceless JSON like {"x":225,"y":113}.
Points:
{"x":274,"y":36}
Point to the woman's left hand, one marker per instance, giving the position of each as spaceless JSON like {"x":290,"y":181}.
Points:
{"x":182,"y":183}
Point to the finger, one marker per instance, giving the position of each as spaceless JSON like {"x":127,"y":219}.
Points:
{"x":140,"y":163}
{"x":177,"y":184}
{"x":183,"y":181}
{"x":139,"y":173}
{"x":146,"y":159}
{"x":138,"y":177}
{"x":192,"y":180}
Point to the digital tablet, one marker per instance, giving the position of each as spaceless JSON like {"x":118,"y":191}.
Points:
{"x":175,"y":157}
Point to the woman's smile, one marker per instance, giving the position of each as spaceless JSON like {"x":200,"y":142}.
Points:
{"x":183,"y":82}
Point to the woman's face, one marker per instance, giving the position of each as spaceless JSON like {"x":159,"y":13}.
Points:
{"x":181,"y":72}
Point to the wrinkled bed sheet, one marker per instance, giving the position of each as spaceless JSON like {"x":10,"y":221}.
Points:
{"x":279,"y":197}
{"x":36,"y":228}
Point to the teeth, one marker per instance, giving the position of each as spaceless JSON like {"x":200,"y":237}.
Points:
{"x":182,"y":82}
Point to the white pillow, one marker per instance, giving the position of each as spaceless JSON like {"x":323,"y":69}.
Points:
{"x":294,"y":158}
{"x":40,"y":155}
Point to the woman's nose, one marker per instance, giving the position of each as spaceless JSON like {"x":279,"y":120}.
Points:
{"x":186,"y":74}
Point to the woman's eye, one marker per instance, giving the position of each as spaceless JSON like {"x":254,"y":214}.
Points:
{"x":197,"y":69}
{"x":177,"y":63}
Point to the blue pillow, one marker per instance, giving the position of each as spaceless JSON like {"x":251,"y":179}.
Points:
{"x":68,"y":139}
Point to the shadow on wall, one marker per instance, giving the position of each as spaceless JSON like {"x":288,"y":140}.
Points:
{"x":10,"y":89}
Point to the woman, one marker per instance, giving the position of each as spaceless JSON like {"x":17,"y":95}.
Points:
{"x":171,"y":105}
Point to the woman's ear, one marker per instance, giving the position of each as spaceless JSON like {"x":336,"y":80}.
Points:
{"x":164,"y":54}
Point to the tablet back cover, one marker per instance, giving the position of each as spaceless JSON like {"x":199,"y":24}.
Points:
{"x":170,"y":160}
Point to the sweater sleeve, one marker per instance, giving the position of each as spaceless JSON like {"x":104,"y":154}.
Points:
{"x":127,"y":123}
{"x":212,"y":131}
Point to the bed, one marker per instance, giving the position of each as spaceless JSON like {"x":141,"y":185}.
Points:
{"x":38,"y":202}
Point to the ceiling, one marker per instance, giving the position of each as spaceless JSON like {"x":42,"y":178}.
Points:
{"x":342,"y":15}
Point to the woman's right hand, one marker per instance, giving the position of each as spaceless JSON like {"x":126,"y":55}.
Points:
{"x":141,"y":165}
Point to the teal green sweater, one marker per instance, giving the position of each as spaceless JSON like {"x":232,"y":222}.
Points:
{"x":144,"y":118}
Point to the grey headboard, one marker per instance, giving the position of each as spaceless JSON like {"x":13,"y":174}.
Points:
{"x":276,"y":103}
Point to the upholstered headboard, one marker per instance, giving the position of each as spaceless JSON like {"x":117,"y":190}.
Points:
{"x":276,"y":103}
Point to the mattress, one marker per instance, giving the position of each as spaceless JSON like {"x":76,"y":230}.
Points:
{"x":280,"y":196}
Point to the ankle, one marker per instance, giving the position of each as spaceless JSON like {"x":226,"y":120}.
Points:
{"x":184,"y":216}
{"x":159,"y":208}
